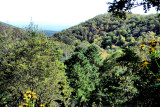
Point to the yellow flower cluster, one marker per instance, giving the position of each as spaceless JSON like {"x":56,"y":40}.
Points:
{"x":153,"y":43}
{"x":30,"y":94}
{"x":144,"y":63}
{"x":151,"y":49}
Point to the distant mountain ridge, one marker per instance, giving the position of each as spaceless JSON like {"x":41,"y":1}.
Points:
{"x":6,"y":24}
{"x":108,"y":31}
{"x":49,"y":32}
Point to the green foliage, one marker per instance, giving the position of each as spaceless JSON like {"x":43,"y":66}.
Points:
{"x":126,"y":83}
{"x":3,"y":100}
{"x":92,"y":54}
{"x":31,"y":61}
{"x":116,"y":85}
{"x":33,"y":64}
{"x":148,"y":79}
{"x":116,"y":88}
{"x":106,"y":30}
{"x":67,"y":50}
{"x":110,"y":62}
{"x":129,"y":58}
{"x":82,"y":72}
{"x":118,"y":7}
{"x":80,"y":49}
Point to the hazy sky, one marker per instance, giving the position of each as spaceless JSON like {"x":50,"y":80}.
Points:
{"x":53,"y":14}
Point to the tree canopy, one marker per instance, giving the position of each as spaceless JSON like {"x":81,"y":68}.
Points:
{"x":117,"y":7}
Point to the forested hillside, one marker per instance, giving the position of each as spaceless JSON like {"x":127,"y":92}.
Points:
{"x":108,"y":31}
{"x":5,"y":29}
{"x":102,"y":62}
{"x":123,"y":78}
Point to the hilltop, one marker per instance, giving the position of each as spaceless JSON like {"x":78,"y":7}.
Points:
{"x":5,"y":29}
{"x":109,"y":32}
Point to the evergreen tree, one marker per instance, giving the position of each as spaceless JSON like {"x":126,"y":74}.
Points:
{"x":82,"y":74}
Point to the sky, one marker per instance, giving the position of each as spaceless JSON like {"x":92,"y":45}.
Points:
{"x":53,"y":14}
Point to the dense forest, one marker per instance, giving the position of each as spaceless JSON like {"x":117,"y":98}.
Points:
{"x":105,"y":61}
{"x":105,"y":30}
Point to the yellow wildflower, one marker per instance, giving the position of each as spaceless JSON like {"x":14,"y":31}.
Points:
{"x":33,"y":93}
{"x":42,"y":105}
{"x":142,"y":46}
{"x":150,"y":42}
{"x":28,"y":92}
{"x":143,"y":60}
{"x":153,"y":43}
{"x":20,"y":106}
{"x":29,"y":96}
{"x":34,"y":97}
{"x":25,"y":95}
{"x":151,"y":49}
{"x":144,"y":64}
{"x":25,"y":104}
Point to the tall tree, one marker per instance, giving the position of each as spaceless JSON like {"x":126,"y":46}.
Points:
{"x":82,"y":71}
